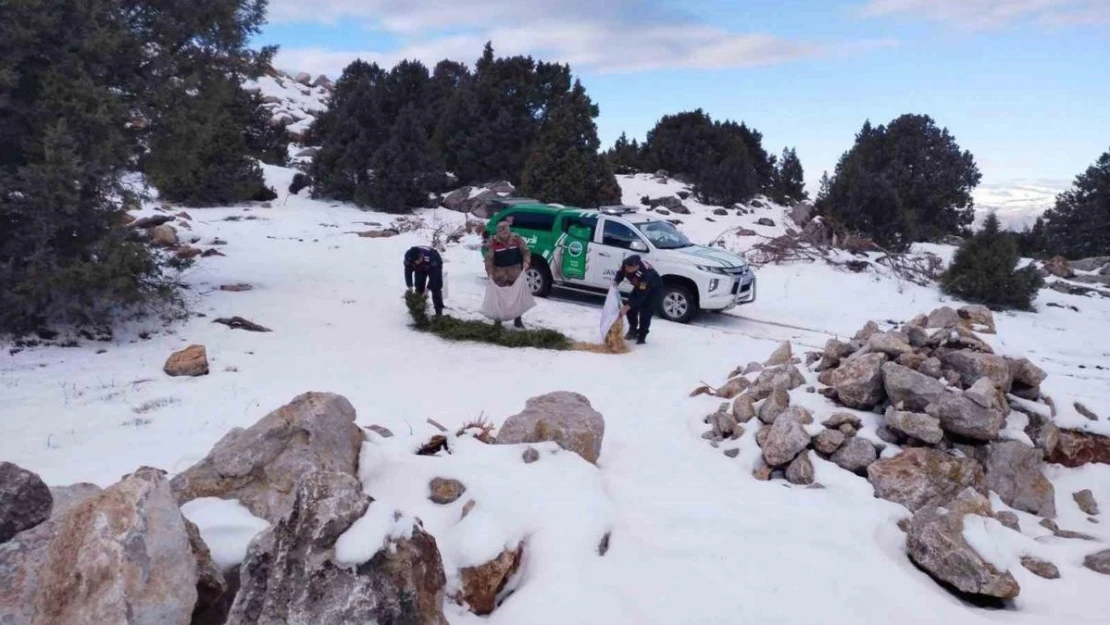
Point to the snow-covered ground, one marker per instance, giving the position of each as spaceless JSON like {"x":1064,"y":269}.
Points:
{"x":695,"y":539}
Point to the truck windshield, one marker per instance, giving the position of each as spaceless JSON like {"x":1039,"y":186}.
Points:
{"x":664,"y":235}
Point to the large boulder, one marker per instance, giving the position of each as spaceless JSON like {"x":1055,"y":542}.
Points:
{"x":935,"y":541}
{"x":562,"y":417}
{"x":890,"y":343}
{"x":25,"y":500}
{"x":456,"y":199}
{"x":974,"y":365}
{"x":977,"y":316}
{"x":261,"y":465}
{"x":859,"y":381}
{"x":1059,"y":267}
{"x":914,"y":424}
{"x":962,"y":416}
{"x":191,"y":362}
{"x":482,"y":584}
{"x":1074,"y":448}
{"x":121,"y":557}
{"x":774,"y":405}
{"x":855,"y":455}
{"x":1014,"y":471}
{"x":828,"y":441}
{"x":943,"y":317}
{"x":787,"y":377}
{"x":787,"y":437}
{"x":214,"y":594}
{"x":921,"y":477}
{"x":912,"y":390}
{"x":781,"y":356}
{"x":291,"y":574}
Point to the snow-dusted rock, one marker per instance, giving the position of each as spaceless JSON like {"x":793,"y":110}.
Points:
{"x":66,"y":497}
{"x":733,"y":387}
{"x":921,"y":477}
{"x":983,"y":392}
{"x":781,"y":356}
{"x":481,"y":584}
{"x":1075,"y":448}
{"x":870,"y":328}
{"x":25,"y":500}
{"x":1059,"y":267}
{"x":261,"y":465}
{"x":859,"y":381}
{"x":214,"y":597}
{"x":455,"y":199}
{"x":855,"y":455}
{"x":1085,"y":499}
{"x":191,"y":362}
{"x":960,"y":415}
{"x":787,"y":437}
{"x":936,"y":543}
{"x":163,"y":236}
{"x":974,"y":365}
{"x":1009,"y":519}
{"x":800,"y":471}
{"x":842,"y":418}
{"x":743,"y":408}
{"x":1040,"y":568}
{"x":889,"y":343}
{"x":117,"y":558}
{"x":774,"y":405}
{"x":943,"y":317}
{"x":1014,"y":471}
{"x":977,"y":315}
{"x":444,"y":491}
{"x":562,"y":417}
{"x":1098,"y":562}
{"x":914,"y":424}
{"x":828,"y":441}
{"x":291,"y":575}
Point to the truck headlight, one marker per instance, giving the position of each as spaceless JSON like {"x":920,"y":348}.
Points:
{"x":713,"y":284}
{"x":717,"y":270}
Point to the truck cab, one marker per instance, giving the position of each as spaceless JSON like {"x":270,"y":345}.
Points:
{"x":583,"y":249}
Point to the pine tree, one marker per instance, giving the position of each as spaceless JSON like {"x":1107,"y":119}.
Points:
{"x":930,"y":177}
{"x":983,"y":271}
{"x":200,"y":155}
{"x":789,"y":180}
{"x":565,"y":166}
{"x":403,"y":169}
{"x":1079,"y":225}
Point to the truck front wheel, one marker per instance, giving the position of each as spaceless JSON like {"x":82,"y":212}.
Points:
{"x":538,"y":279}
{"x":679,"y":304}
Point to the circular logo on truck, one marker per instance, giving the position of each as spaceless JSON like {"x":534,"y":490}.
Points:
{"x":575,"y":248}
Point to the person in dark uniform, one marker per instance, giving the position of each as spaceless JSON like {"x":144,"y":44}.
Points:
{"x":645,"y":299}
{"x":424,"y":271}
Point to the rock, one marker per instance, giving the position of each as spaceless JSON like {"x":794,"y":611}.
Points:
{"x":848,"y":429}
{"x":323,"y":81}
{"x":1008,"y":519}
{"x":828,"y":441}
{"x":262,"y":465}
{"x":801,"y":213}
{"x":800,"y":471}
{"x":191,"y":361}
{"x":455,"y":199}
{"x":308,"y":152}
{"x":116,"y":558}
{"x":1075,"y":448}
{"x":482,"y":584}
{"x":725,"y":425}
{"x":936,"y":543}
{"x":732,"y":453}
{"x":855,"y":455}
{"x":911,"y":361}
{"x":304,"y":79}
{"x":444,"y":491}
{"x":743,"y":409}
{"x":680,"y":209}
{"x":888,"y":343}
{"x":859,"y":381}
{"x":943,"y":317}
{"x":774,"y":405}
{"x":916,"y":335}
{"x":915,"y":391}
{"x":890,"y":435}
{"x":1085,"y":411}
{"x":787,"y":437}
{"x":1059,"y":267}
{"x":236,"y":288}
{"x":977,"y":315}
{"x":781,"y":356}
{"x":921,"y":477}
{"x":920,"y":321}
{"x":214,"y":597}
{"x":163,"y":236}
{"x":25,"y":500}
{"x":765,"y":221}
{"x":973,"y":365}
{"x":530,"y":455}
{"x":870,"y":328}
{"x":146,"y":223}
{"x":290,"y":574}
{"x":1085,"y":499}
{"x":1098,"y":562}
{"x":381,"y":431}
{"x":1014,"y":471}
{"x":762,"y":472}
{"x":733,"y":387}
{"x":761,"y":435}
{"x":841,"y":418}
{"x":1027,"y":378}
{"x":1095,"y":263}
{"x":983,"y":392}
{"x":720,"y":212}
{"x":961,"y":416}
{"x":562,"y":417}
{"x":914,"y":424}
{"x":753,"y":367}
{"x":67,"y":497}
{"x":784,"y":376}
{"x":1040,"y":568}
{"x":931,"y":367}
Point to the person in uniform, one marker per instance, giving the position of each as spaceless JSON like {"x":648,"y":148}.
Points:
{"x":507,"y":256}
{"x":424,"y":272}
{"x":645,"y":299}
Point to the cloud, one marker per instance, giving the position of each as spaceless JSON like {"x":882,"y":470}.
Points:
{"x":598,"y":35}
{"x":984,"y":14}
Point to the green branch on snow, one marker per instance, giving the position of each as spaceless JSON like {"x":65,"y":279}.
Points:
{"x":452,"y":329}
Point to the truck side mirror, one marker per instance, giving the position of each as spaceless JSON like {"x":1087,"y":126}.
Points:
{"x":638,"y":246}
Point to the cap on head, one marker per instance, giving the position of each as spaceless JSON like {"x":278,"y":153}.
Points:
{"x":632,"y":261}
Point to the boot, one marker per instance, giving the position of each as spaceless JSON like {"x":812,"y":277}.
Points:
{"x":630,"y":335}
{"x":641,"y":339}
{"x":518,"y":323}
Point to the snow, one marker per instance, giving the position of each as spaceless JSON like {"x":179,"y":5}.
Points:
{"x":694,"y":538}
{"x":988,"y":538}
{"x":227,"y":527}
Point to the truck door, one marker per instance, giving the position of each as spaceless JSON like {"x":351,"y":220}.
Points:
{"x":612,"y":245}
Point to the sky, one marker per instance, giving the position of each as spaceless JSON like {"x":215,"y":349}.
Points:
{"x":1023,"y":84}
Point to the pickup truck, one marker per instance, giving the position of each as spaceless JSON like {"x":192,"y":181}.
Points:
{"x":582,"y":250}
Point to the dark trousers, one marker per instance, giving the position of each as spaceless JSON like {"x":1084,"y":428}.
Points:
{"x":431,"y":282}
{"x":639,"y":319}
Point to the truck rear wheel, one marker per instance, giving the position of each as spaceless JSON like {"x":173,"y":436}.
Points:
{"x":679,"y":304}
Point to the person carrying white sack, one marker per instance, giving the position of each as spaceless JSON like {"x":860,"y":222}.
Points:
{"x":507,"y":257}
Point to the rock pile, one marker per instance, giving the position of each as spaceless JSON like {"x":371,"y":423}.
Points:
{"x":943,"y":397}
